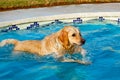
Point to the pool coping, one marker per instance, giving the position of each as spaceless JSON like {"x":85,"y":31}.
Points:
{"x":43,"y":19}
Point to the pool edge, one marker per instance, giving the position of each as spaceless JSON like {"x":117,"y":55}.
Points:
{"x":85,"y":16}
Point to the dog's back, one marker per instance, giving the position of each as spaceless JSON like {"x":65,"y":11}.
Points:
{"x":32,"y":46}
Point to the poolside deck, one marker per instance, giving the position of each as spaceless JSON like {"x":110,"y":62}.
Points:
{"x":8,"y":17}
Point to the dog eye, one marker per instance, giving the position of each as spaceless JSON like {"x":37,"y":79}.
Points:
{"x":74,"y":35}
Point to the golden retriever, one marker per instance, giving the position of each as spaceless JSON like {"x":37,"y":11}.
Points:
{"x":67,"y":40}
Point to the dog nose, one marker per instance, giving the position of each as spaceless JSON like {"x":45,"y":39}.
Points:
{"x":83,"y":41}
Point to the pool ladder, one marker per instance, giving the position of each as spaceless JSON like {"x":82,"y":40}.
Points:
{"x":13,"y":27}
{"x":34,"y":25}
{"x":118,"y":21}
{"x":101,"y":19}
{"x":77,"y":21}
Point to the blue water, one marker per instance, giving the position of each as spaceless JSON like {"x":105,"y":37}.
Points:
{"x":103,"y":50}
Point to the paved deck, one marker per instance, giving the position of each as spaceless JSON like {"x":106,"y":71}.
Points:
{"x":48,"y":11}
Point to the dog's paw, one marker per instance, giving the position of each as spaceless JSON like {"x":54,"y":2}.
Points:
{"x":83,"y":52}
{"x":83,"y":62}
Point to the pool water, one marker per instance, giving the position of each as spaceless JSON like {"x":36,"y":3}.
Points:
{"x":102,"y":45}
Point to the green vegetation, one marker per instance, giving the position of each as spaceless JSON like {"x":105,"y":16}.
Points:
{"x":19,"y":4}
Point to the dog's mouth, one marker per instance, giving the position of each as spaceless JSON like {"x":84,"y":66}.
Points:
{"x":79,"y":44}
{"x":82,"y":42}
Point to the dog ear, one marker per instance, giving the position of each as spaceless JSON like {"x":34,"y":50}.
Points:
{"x":63,"y":37}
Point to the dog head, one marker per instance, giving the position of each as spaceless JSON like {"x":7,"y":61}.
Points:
{"x":69,"y":36}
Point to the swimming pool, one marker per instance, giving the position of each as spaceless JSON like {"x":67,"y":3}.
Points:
{"x":102,"y":45}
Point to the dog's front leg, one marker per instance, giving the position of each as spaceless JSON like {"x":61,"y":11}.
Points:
{"x":75,"y":61}
{"x":81,"y":51}
{"x":62,"y":59}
